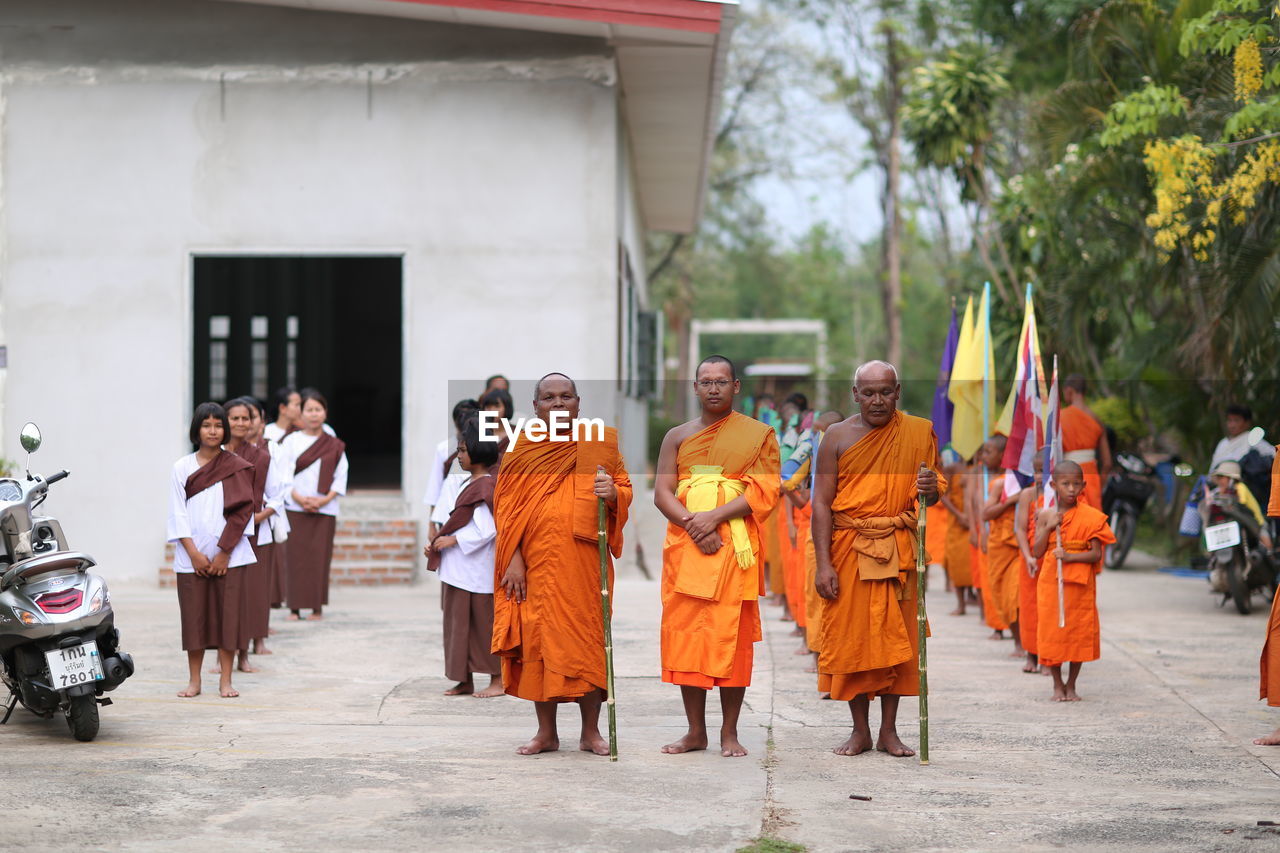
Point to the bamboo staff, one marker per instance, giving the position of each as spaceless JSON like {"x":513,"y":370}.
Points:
{"x":1062,"y":605}
{"x":921,"y":627}
{"x":602,"y":539}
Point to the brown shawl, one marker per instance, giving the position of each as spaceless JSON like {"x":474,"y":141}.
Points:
{"x":328,"y":450}
{"x":260,"y":459}
{"x":477,"y":491}
{"x":237,"y":493}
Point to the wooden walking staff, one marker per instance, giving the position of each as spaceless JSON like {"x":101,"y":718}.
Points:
{"x":602,"y":539}
{"x":1062,"y":605}
{"x":922,"y":627}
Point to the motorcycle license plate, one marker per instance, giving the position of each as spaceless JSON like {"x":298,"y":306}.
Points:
{"x":76,"y":665}
{"x":1221,"y":536}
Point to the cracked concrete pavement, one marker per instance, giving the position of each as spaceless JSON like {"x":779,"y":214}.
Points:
{"x":344,"y":741}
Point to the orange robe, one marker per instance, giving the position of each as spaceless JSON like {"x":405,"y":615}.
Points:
{"x":784,"y":543}
{"x":552,"y":644}
{"x":813,"y":603}
{"x":1081,"y":639}
{"x":1000,"y":593}
{"x":958,"y":562}
{"x":710,"y":602}
{"x":1081,"y":432}
{"x":935,"y":534}
{"x":1028,"y":612}
{"x":869,"y":641}
{"x":1269,"y":686}
{"x":773,"y":552}
{"x":796,"y":564}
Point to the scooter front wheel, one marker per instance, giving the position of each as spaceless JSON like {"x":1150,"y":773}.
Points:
{"x":82,"y":717}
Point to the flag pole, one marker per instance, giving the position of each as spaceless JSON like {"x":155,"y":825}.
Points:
{"x":602,"y":539}
{"x":922,"y":621}
{"x":986,"y":407}
{"x":1062,"y":605}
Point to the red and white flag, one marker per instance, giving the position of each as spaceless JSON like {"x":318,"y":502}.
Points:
{"x":1052,"y":439}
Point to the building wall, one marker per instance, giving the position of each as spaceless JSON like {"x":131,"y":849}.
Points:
{"x":124,"y":154}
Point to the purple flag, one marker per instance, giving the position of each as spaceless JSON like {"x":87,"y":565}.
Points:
{"x":943,"y":408}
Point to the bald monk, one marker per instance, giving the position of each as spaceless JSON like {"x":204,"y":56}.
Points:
{"x":717,"y":482}
{"x":1076,"y":534}
{"x":957,"y":560}
{"x":1030,"y":502}
{"x":1269,"y":686}
{"x":871,"y":469}
{"x":548,"y":624}
{"x":1003,"y":557}
{"x":1084,"y":441}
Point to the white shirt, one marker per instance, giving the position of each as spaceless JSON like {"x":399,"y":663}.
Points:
{"x":469,"y":564}
{"x":200,"y":519}
{"x":307,"y":481}
{"x":279,"y":484}
{"x":1232,"y":449}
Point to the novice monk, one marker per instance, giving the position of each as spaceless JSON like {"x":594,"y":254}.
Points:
{"x":1269,"y":686}
{"x":957,"y":560}
{"x":548,"y":624}
{"x":1084,"y":441}
{"x":973,"y":500}
{"x":1075,"y":534}
{"x":717,"y":482}
{"x":871,"y":469}
{"x":1003,"y":558}
{"x":1029,"y":503}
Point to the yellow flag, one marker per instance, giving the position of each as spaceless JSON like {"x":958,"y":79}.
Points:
{"x":1005,"y":423}
{"x":966,"y":421}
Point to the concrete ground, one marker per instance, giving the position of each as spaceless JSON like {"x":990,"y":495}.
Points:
{"x":344,"y":742}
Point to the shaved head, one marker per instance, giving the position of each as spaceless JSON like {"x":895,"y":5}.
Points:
{"x":875,"y":371}
{"x":718,"y":359}
{"x":538,"y":388}
{"x":1067,"y":467}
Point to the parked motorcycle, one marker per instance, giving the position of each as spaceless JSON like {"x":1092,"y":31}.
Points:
{"x":1238,"y":565}
{"x":1124,"y":497}
{"x":59,"y":648}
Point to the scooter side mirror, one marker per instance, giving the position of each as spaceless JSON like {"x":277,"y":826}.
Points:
{"x":30,"y":437}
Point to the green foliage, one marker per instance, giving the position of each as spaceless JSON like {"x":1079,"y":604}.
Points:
{"x":1119,"y":414}
{"x":1139,"y":113}
{"x":1246,"y":121}
{"x":949,"y":112}
{"x":1222,"y":28}
{"x":772,"y":845}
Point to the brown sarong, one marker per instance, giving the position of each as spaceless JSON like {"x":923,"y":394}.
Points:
{"x":279,"y":573}
{"x":468,"y":633}
{"x":257,"y":593}
{"x":310,"y":553}
{"x":210,"y":608}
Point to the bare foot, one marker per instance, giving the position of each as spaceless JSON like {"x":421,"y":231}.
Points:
{"x":959,"y":611}
{"x":996,"y":635}
{"x":271,"y":632}
{"x":1272,"y":739}
{"x":786,"y":617}
{"x":189,"y":691}
{"x":813,"y":667}
{"x":1017,"y":653}
{"x":245,"y":666}
{"x":857,"y":744}
{"x":228,"y":692}
{"x":538,"y":745}
{"x":730,"y":746}
{"x":260,"y":648}
{"x":293,"y":617}
{"x":462,"y":688}
{"x":797,"y":631}
{"x":491,"y":691}
{"x":890,"y":742}
{"x":803,"y":650}
{"x":216,"y":669}
{"x":1071,"y":695}
{"x":315,"y":617}
{"x":777,"y":601}
{"x":1031,"y":667}
{"x":1059,"y":694}
{"x":689,"y":743}
{"x":824,"y":696}
{"x":594,"y":743}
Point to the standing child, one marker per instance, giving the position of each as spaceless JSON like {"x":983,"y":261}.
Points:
{"x":958,"y":562}
{"x":1071,"y":535}
{"x":462,"y":552}
{"x":1003,"y":559}
{"x":1030,"y":502}
{"x":319,"y":477}
{"x":210,"y":519}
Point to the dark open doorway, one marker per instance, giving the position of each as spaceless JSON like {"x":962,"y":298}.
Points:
{"x":333,"y":323}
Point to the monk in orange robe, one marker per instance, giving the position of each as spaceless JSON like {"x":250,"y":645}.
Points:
{"x":1003,"y":558}
{"x":871,"y":469}
{"x":782,"y":520}
{"x":1078,"y":533}
{"x":935,"y":542}
{"x":548,"y":623}
{"x":956,"y":560}
{"x":813,"y":602}
{"x":800,"y":515}
{"x":717,"y":481}
{"x":1269,"y":685}
{"x":773,"y":557}
{"x":1084,"y":441}
{"x":1030,"y":502}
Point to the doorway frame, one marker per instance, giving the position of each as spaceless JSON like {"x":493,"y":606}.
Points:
{"x":400,"y":252}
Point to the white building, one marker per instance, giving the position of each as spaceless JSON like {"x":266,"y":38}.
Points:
{"x":202,"y":198}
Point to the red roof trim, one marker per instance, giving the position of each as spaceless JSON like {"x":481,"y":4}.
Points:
{"x":688,"y":15}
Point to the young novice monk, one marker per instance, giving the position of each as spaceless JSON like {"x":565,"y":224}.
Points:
{"x":958,"y":562}
{"x":1003,"y":559}
{"x":1073,"y":535}
{"x":1030,"y":502}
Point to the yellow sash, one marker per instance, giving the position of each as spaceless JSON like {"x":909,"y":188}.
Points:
{"x":701,"y":492}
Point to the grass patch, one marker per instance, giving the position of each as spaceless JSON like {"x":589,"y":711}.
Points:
{"x":772,"y":845}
